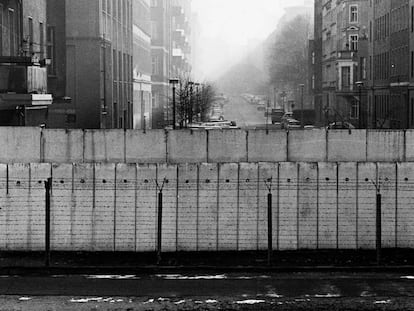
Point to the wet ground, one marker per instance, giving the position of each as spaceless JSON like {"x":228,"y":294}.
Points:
{"x":236,"y":291}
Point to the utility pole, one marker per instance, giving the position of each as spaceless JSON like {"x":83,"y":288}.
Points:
{"x":360,"y":84}
{"x":302,"y":123}
{"x":174,"y":82}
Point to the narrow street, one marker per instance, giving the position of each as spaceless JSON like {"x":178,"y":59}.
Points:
{"x":304,"y":291}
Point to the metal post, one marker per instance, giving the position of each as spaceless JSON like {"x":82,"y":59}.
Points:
{"x":302,"y":123}
{"x":269,"y":230}
{"x":379,"y":229}
{"x":48,"y":186}
{"x":360,"y":108}
{"x":174,"y":112}
{"x":159,"y":229}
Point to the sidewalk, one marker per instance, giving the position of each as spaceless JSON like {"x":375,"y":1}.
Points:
{"x":322,"y":260}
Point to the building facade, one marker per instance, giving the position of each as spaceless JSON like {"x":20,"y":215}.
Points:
{"x":181,"y":38}
{"x":340,"y":67}
{"x":142,"y":69}
{"x":161,"y":53}
{"x":91,"y":48}
{"x":23,"y":83}
{"x":391,"y":59}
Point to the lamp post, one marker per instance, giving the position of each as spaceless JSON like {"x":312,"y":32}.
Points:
{"x":360,"y":84}
{"x":190,"y":102}
{"x":302,"y":124}
{"x":197,"y":85}
{"x":174,"y":82}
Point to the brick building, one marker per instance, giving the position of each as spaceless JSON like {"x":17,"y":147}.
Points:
{"x":23,"y":82}
{"x":90,"y":45}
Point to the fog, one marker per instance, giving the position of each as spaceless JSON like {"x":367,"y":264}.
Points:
{"x":229,"y":29}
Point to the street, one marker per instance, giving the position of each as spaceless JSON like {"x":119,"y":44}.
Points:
{"x":244,"y":113}
{"x":303,"y":291}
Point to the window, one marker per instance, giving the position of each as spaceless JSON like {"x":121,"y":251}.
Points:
{"x":30,"y":38}
{"x":51,"y":50}
{"x":1,"y":29}
{"x":12,"y":33}
{"x":346,"y":77}
{"x":353,"y":14}
{"x":353,"y":42}
{"x":354,"y":109}
{"x":41,"y":40}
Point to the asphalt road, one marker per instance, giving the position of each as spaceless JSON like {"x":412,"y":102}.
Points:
{"x":304,"y":291}
{"x":244,"y":113}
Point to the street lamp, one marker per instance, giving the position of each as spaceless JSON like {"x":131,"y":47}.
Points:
{"x":174,"y":82}
{"x":302,"y":123}
{"x":190,"y":102}
{"x":360,"y":84}
{"x":197,"y":85}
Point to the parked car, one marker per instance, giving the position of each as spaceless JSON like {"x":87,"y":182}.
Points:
{"x":291,"y":124}
{"x":341,"y":126}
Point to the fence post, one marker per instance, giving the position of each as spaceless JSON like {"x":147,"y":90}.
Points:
{"x":378,"y":228}
{"x":159,"y":228}
{"x":48,"y":186}
{"x":269,"y":229}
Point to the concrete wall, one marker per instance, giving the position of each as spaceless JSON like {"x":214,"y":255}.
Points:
{"x":206,"y":207}
{"x":31,"y":145}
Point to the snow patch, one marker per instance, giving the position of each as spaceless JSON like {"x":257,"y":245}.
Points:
{"x":96,"y":299}
{"x":148,"y":301}
{"x":382,"y":302}
{"x":113,"y":277}
{"x":179,"y":302}
{"x":211,"y":301}
{"x":274,"y":295}
{"x":327,"y":296}
{"x":197,"y":277}
{"x":249,"y":302}
{"x":25,"y":298}
{"x":408,"y":277}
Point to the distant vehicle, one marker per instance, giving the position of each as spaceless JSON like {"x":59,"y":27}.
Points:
{"x":277,"y":115}
{"x":341,"y":126}
{"x":214,"y":125}
{"x":291,"y":124}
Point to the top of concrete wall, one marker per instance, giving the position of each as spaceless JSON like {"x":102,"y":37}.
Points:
{"x":31,"y":145}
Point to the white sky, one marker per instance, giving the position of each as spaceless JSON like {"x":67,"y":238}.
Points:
{"x":230,"y":27}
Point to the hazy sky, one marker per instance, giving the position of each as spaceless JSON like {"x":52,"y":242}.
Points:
{"x":230,"y":27}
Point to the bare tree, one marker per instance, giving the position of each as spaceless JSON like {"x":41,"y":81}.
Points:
{"x":193,"y":102}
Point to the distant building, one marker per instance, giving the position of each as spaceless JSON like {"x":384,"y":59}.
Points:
{"x":340,"y":26}
{"x":90,"y":47}
{"x":23,"y":78}
{"x":161,"y":53}
{"x":181,"y":38}
{"x":142,"y":64}
{"x":171,"y":53}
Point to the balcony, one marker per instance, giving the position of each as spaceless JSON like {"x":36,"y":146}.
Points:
{"x":347,"y":55}
{"x":22,"y":85}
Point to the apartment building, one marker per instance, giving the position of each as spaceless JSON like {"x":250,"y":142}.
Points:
{"x":391,"y":60}
{"x":90,"y":44}
{"x":142,"y":69}
{"x":341,"y":27}
{"x":161,"y":53}
{"x":181,"y":38}
{"x":23,"y":82}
